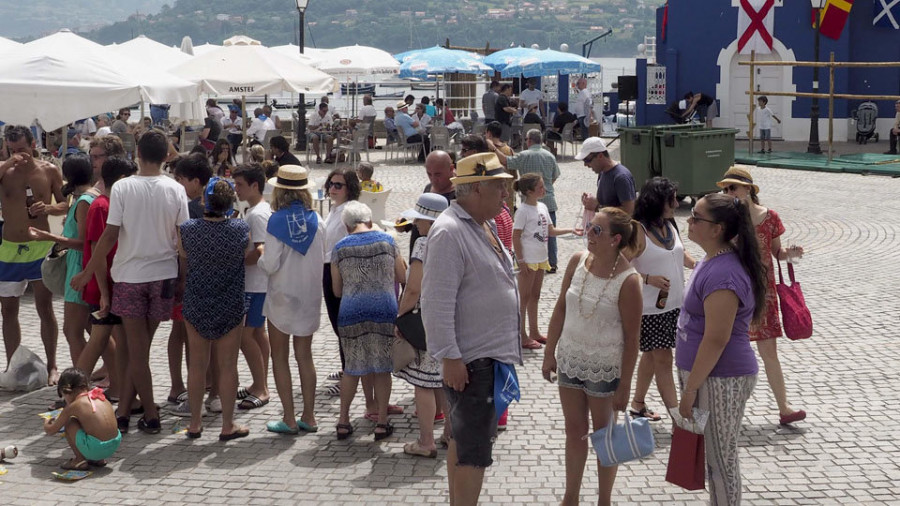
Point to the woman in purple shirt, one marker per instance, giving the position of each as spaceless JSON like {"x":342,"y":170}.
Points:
{"x":716,"y":365}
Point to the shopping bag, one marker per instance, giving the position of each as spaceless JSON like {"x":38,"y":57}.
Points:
{"x":506,"y":387}
{"x":631,"y":440}
{"x":795,"y":315}
{"x":26,"y":372}
{"x":687,"y":462}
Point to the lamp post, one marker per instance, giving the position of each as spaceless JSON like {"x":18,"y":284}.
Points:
{"x":813,"y":146}
{"x":301,"y":104}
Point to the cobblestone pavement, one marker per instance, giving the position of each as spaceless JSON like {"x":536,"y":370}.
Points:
{"x":845,"y":453}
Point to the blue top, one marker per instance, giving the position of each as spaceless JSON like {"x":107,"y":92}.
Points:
{"x":368,"y":301}
{"x":214,"y":290}
{"x":404,"y":123}
{"x":723,"y":272}
{"x":615,"y":186}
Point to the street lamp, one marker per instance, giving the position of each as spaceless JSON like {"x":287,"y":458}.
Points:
{"x":813,"y":146}
{"x":301,"y":105}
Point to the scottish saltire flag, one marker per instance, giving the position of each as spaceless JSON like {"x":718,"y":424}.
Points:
{"x":887,"y":14}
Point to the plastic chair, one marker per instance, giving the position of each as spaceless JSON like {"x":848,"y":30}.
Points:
{"x":189,"y":141}
{"x":358,"y":143}
{"x":268,"y":137}
{"x":568,"y":137}
{"x":377,"y":202}
{"x":440,"y":138}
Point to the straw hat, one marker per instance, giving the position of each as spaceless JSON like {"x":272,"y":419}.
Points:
{"x":428,"y":207}
{"x":738,"y":174}
{"x":401,"y":105}
{"x":292,"y":177}
{"x":479,"y":167}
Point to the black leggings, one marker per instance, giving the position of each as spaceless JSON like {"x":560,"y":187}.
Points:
{"x":332,"y":305}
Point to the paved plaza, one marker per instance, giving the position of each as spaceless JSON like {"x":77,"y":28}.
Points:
{"x":846,"y":452}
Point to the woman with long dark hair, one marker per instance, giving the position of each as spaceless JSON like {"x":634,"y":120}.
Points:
{"x":221,"y":159}
{"x":660,"y":258}
{"x":716,"y":365}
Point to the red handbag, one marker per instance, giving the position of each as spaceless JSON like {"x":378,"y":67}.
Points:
{"x":794,"y":313}
{"x":687,"y":460}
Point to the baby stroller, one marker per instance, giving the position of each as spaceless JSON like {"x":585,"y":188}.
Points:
{"x":866,"y":115}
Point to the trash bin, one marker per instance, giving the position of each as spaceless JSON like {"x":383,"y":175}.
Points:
{"x":636,"y":152}
{"x":696,"y":158}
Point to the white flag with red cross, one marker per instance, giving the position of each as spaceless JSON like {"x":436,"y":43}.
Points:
{"x":756,"y":23}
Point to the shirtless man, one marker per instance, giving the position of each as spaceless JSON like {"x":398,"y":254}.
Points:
{"x":26,"y":188}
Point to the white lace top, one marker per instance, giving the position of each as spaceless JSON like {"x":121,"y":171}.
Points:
{"x":592,"y":341}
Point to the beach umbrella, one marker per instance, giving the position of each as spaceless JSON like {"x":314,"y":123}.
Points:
{"x":150,"y":53}
{"x":530,"y":62}
{"x":6,"y":44}
{"x":438,"y":60}
{"x":203,"y":49}
{"x":63,"y":78}
{"x":355,"y":61}
{"x":309,"y":55}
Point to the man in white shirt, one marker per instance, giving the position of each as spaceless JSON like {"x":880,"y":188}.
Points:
{"x":584,"y":107}
{"x":249,"y":184}
{"x":530,"y":96}
{"x":319,"y":128}
{"x":145,"y":212}
{"x":259,"y":125}
{"x":232,"y":124}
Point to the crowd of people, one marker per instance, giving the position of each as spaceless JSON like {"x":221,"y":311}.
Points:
{"x":144,"y":247}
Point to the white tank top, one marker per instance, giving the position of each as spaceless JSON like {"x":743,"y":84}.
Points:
{"x":658,"y":261}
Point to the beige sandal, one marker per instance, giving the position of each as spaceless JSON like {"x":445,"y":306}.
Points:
{"x":415,"y":449}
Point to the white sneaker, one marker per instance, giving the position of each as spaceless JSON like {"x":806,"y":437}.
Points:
{"x":182,"y":409}
{"x":214,"y":404}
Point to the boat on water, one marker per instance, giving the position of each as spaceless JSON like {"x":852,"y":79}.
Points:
{"x":357,"y":88}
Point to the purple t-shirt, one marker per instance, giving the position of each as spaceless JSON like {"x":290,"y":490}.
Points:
{"x":723,"y":272}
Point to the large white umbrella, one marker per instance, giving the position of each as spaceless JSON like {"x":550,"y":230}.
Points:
{"x":355,"y":61}
{"x":203,"y":49}
{"x":150,"y":53}
{"x":309,"y":55}
{"x":73,"y":79}
{"x":6,"y":44}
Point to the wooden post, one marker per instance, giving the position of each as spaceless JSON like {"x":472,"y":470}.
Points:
{"x":831,"y":109}
{"x":750,"y":109}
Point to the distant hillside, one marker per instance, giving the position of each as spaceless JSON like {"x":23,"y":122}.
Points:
{"x":33,"y":18}
{"x":398,"y":25}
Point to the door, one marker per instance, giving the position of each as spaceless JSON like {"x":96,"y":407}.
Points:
{"x":766,"y":79}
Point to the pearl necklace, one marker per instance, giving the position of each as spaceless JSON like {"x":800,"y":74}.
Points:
{"x":612,"y":274}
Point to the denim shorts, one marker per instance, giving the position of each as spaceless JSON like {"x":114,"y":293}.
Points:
{"x":473,"y":421}
{"x":590,"y":388}
{"x":254,"y":303}
{"x":765,"y":134}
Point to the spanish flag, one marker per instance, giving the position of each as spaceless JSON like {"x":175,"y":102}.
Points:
{"x":834,"y":17}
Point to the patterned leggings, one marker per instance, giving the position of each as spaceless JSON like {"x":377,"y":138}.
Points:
{"x":725,"y":399}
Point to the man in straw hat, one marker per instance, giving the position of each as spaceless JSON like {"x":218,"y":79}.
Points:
{"x":470,"y":311}
{"x":408,"y":127}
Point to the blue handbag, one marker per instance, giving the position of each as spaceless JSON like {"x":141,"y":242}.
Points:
{"x":615,"y":444}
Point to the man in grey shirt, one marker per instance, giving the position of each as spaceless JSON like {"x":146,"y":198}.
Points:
{"x":470,"y":308}
{"x":489,"y":102}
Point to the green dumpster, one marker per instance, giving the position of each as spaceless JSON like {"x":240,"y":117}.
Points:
{"x":636,"y":152}
{"x":695,"y":158}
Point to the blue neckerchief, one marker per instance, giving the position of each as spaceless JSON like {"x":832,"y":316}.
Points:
{"x":506,"y":386}
{"x":295,"y":226}
{"x":210,"y":189}
{"x":263,"y":117}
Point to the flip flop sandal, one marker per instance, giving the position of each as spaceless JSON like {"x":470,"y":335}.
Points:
{"x":97,"y":463}
{"x":388,"y":431}
{"x":343,"y":430}
{"x":394,"y":410}
{"x":532,"y":345}
{"x":335,"y":376}
{"x":417,"y":451}
{"x":645,"y":413}
{"x":307,"y":427}
{"x":280,"y":427}
{"x":333,"y":390}
{"x":71,"y":465}
{"x":252,"y":402}
{"x":178,"y":399}
{"x":194,"y":435}
{"x":243,"y":432}
{"x":242,"y":393}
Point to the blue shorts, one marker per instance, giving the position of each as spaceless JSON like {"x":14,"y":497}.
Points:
{"x":765,"y":134}
{"x":20,"y":262}
{"x":254,"y":303}
{"x":590,"y":388}
{"x":94,"y":449}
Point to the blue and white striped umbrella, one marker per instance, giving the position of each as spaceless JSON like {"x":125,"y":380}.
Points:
{"x":539,"y":62}
{"x":420,"y":64}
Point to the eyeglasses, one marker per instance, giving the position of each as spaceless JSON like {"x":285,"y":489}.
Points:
{"x":590,"y":158}
{"x":595,"y":229}
{"x":695,"y":218}
{"x":334,"y":184}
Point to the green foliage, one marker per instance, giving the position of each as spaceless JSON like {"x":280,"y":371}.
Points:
{"x":397,"y":25}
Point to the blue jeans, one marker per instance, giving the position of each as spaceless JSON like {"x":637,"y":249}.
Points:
{"x":583,"y":125}
{"x":551,"y":243}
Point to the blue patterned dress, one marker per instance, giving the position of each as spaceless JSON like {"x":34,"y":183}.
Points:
{"x":214,"y":291}
{"x":368,"y":301}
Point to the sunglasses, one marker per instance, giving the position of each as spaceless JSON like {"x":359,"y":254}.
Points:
{"x":731,"y":188}
{"x":594,"y":229}
{"x":590,"y":158}
{"x":126,"y":114}
{"x":333,"y":184}
{"x":695,"y":218}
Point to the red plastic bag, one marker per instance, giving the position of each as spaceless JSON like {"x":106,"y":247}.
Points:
{"x":687,"y":461}
{"x":794,"y":314}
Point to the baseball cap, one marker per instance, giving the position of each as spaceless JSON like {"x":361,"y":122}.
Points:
{"x":591,"y":145}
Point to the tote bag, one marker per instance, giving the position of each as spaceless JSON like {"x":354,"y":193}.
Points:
{"x":687,"y":460}
{"x":631,"y":440}
{"x":53,"y":271}
{"x":795,"y":315}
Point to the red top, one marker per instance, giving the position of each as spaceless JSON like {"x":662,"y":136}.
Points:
{"x":96,"y":224}
{"x":505,"y":227}
{"x":448,"y":116}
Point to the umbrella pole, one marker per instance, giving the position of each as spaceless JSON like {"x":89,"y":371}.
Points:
{"x":244,"y":127}
{"x":142,"y":112}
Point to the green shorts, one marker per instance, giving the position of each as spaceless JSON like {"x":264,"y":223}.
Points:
{"x":94,"y":449}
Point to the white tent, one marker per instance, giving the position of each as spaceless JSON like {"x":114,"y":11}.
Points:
{"x":357,"y":61}
{"x":254,"y":70}
{"x":63,"y":78}
{"x":148,"y":52}
{"x":6,"y":44}
{"x":203,"y":49}
{"x":308,"y":56}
